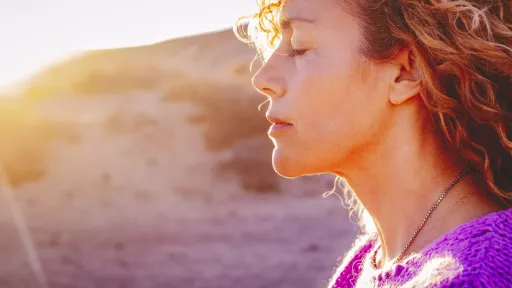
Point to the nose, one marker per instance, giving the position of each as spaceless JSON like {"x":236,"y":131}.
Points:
{"x":268,"y":82}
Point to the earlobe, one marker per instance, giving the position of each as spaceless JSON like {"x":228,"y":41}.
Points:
{"x":403,"y":92}
{"x":406,"y":81}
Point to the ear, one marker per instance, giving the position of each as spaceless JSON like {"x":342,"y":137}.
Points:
{"x":406,"y":80}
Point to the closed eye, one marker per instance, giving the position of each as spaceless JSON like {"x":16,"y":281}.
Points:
{"x":297,"y":52}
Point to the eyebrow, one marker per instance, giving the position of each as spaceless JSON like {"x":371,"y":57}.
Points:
{"x":285,"y":21}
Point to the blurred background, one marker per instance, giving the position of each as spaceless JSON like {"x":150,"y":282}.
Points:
{"x":133,"y":154}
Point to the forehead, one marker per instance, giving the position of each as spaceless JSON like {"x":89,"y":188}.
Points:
{"x":333,"y":24}
{"x":314,"y":10}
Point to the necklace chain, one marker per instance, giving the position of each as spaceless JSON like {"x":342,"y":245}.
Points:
{"x":427,"y":216}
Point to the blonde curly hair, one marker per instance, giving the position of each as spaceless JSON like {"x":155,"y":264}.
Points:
{"x":464,"y":48}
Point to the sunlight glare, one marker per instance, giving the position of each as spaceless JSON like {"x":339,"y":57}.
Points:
{"x":35,"y":34}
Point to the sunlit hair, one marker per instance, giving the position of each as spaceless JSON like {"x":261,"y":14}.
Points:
{"x":464,"y":49}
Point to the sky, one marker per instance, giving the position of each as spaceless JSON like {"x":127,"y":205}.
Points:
{"x":36,"y":33}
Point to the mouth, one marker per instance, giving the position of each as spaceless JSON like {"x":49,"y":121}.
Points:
{"x":278,"y":125}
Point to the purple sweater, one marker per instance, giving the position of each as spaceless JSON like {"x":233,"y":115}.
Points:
{"x":475,"y":254}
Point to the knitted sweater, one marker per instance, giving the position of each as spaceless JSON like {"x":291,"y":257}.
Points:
{"x":475,"y":254}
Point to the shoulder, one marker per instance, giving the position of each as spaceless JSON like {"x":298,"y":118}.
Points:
{"x":480,"y":250}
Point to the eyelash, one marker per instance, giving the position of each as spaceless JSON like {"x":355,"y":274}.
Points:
{"x":297,"y":52}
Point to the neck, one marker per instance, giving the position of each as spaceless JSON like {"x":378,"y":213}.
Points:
{"x":399,"y":186}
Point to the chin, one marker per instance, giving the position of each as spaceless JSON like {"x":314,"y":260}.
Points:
{"x":294,"y":163}
{"x":288,"y":166}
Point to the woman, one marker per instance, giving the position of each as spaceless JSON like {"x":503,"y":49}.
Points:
{"x":410,"y":102}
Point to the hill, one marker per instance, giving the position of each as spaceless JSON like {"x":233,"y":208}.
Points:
{"x":150,"y":167}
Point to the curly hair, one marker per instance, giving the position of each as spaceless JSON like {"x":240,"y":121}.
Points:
{"x":464,"y":48}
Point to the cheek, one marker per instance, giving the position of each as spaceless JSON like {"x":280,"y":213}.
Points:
{"x":331,"y":100}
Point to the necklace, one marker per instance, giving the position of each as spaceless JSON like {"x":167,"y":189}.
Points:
{"x":399,"y":257}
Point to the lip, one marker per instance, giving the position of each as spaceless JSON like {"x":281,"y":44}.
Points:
{"x":278,"y":127}
{"x":276,"y":120}
{"x":278,"y":124}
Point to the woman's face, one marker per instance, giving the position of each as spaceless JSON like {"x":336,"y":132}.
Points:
{"x":316,"y":80}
